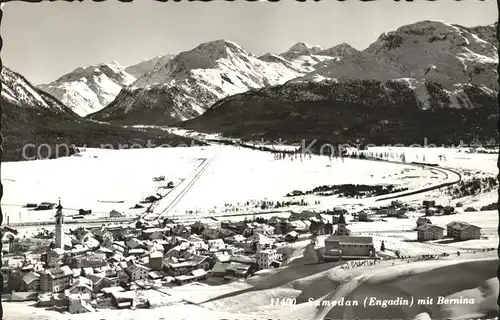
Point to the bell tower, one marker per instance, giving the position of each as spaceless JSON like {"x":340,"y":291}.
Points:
{"x":59,"y":226}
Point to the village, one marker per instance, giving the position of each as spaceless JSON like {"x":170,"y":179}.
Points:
{"x":128,"y":266}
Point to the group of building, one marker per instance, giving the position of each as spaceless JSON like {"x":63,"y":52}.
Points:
{"x":456,"y":230}
{"x":105,"y":267}
{"x":91,"y":268}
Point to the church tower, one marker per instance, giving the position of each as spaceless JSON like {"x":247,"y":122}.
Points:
{"x":59,"y":227}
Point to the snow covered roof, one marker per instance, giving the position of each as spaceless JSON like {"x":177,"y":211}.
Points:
{"x":260,"y":238}
{"x":156,"y":254}
{"x":350,"y":239}
{"x":30,"y":277}
{"x":461,"y":225}
{"x":199,"y":272}
{"x":427,"y":226}
{"x":292,"y":234}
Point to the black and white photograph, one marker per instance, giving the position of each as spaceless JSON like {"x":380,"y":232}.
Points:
{"x":248,"y":160}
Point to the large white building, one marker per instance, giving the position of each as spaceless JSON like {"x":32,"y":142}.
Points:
{"x":266,"y":257}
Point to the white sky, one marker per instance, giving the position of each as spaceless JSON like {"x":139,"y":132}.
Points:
{"x":43,"y":41}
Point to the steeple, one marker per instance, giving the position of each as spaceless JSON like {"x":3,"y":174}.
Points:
{"x":59,"y":227}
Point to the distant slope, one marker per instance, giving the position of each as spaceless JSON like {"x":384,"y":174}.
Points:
{"x":34,"y":120}
{"x":89,"y":89}
{"x":188,"y":84}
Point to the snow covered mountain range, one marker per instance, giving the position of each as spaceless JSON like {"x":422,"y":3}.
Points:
{"x":172,"y":88}
{"x":86,"y":90}
{"x":190,"y":83}
{"x":427,"y":50}
{"x":426,"y":80}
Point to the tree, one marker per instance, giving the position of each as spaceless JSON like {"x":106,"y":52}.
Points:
{"x":382,"y":246}
{"x":342,"y":219}
{"x":82,"y":272}
{"x":329,"y":228}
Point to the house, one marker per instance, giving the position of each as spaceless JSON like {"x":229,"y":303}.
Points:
{"x":447,"y":210}
{"x":210,"y":233}
{"x":429,"y":203}
{"x":24,"y":296}
{"x":264,"y":229}
{"x":203,"y":262}
{"x":180,"y":231}
{"x":31,"y":282}
{"x":153,"y":233}
{"x":219,"y":269}
{"x":115,"y":214}
{"x":237,"y":227}
{"x":196,"y":242}
{"x":365,"y":215}
{"x":56,"y":279}
{"x":178,"y":268}
{"x":299,"y":226}
{"x":422,"y":221}
{"x":137,"y":252}
{"x":291,"y":236}
{"x":45,"y":206}
{"x":53,"y":257}
{"x":156,"y":260}
{"x":235,"y":238}
{"x":240,"y":270}
{"x":78,"y":305}
{"x":134,"y":243}
{"x":123,"y":299}
{"x":8,"y":239}
{"x":260,"y":241}
{"x":99,"y":282}
{"x":396,"y":204}
{"x":266,"y":257}
{"x":89,"y":261}
{"x":137,"y":271}
{"x":216,"y":244}
{"x":175,"y":267}
{"x":195,"y":275}
{"x":462,"y":231}
{"x":426,"y":232}
{"x":103,"y":235}
{"x":155,"y":275}
{"x":81,"y":286}
{"x":342,"y":230}
{"x":348,"y":247}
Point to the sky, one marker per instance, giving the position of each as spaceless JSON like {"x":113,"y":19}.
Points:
{"x":44,"y":41}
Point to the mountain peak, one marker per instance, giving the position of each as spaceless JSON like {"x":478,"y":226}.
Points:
{"x":340,"y":50}
{"x":303,"y":48}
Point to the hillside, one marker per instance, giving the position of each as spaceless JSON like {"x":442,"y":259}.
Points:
{"x":32,"y":118}
{"x":89,"y":89}
{"x":188,"y":84}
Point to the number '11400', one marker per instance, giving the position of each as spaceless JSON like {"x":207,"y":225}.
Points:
{"x":283,"y":302}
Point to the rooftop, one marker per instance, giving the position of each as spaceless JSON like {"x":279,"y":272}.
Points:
{"x":428,"y":226}
{"x":350,"y":239}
